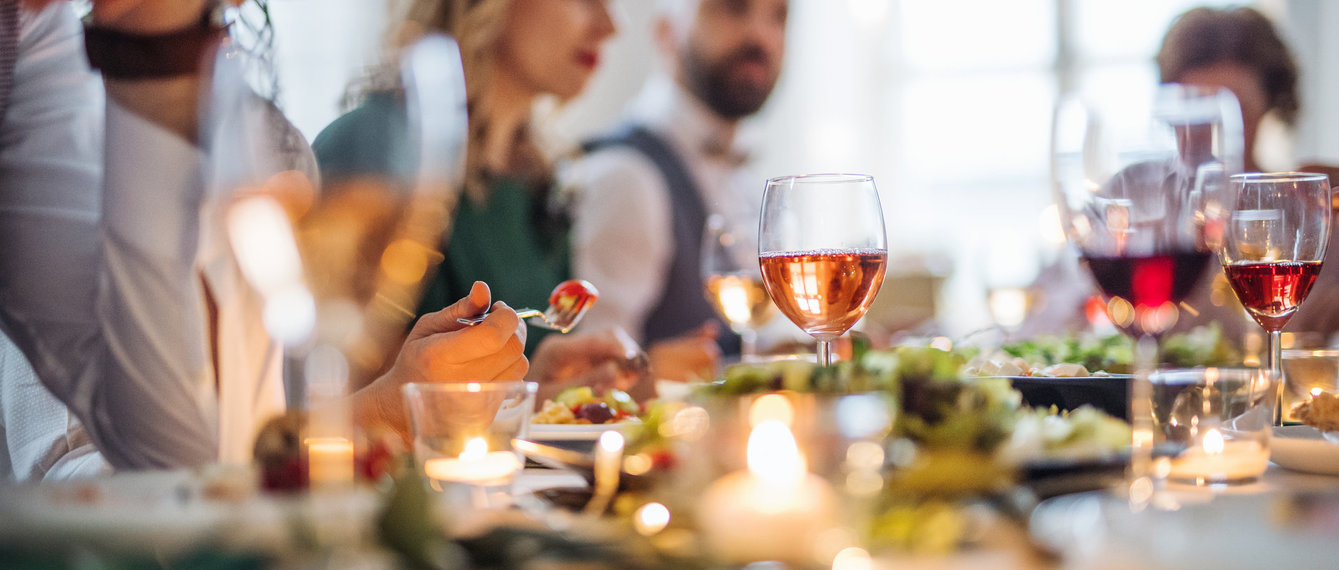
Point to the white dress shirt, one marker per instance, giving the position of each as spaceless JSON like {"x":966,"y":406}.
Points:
{"x":113,"y":315}
{"x":161,"y":248}
{"x":622,"y":238}
{"x":50,"y":171}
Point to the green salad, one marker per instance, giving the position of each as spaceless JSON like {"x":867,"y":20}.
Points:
{"x":1201,"y":346}
{"x":954,"y":438}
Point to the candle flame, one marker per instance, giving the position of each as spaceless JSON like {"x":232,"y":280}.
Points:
{"x":611,"y":441}
{"x":1213,"y":442}
{"x":475,"y":449}
{"x":651,"y":518}
{"x":773,"y":456}
{"x":1316,"y":392}
{"x":852,"y":558}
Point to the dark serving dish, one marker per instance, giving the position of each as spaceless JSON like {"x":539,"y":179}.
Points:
{"x":1107,"y":393}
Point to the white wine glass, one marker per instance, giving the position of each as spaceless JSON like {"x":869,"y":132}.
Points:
{"x":733,"y":282}
{"x":1143,"y":196}
{"x":823,"y":251}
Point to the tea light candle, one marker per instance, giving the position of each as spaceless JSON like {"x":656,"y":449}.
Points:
{"x":476,"y":465}
{"x":773,"y":510}
{"x":1216,"y":459}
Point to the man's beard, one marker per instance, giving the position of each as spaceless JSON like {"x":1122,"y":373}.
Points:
{"x":713,"y":83}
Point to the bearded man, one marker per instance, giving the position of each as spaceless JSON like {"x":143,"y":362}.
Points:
{"x":648,"y":188}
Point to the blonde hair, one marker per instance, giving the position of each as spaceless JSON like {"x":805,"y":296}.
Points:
{"x":477,"y":26}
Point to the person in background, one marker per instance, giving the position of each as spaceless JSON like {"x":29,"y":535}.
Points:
{"x":1239,"y":49}
{"x":1233,"y":48}
{"x":509,"y":228}
{"x":128,"y":312}
{"x":647,"y":189}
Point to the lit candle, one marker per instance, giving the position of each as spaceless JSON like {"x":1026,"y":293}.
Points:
{"x":476,"y":465}
{"x":773,"y":510}
{"x":1218,"y":460}
{"x":329,"y":460}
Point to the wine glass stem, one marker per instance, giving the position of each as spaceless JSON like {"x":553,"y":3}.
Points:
{"x":1141,"y":475}
{"x":748,"y":345}
{"x":1274,"y":360}
{"x":825,"y":353}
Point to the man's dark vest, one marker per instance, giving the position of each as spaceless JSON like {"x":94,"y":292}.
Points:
{"x":683,"y":304}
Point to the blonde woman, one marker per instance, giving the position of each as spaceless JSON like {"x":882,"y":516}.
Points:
{"x":508,"y":229}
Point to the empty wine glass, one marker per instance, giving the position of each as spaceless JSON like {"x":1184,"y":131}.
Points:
{"x":1143,"y":196}
{"x":823,"y":251}
{"x":1274,"y":245}
{"x":733,"y":280}
{"x":338,"y":267}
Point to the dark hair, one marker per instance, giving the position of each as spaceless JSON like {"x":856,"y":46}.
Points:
{"x":1205,"y":36}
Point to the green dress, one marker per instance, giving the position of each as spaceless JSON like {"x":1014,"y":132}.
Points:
{"x":499,"y":241}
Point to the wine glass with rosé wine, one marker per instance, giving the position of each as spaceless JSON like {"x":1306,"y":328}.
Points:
{"x":1274,"y":246}
{"x":1142,"y":189}
{"x":823,"y":251}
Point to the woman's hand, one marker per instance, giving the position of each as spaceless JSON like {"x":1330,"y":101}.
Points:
{"x":691,"y":357}
{"x":439,"y":349}
{"x":603,"y":361}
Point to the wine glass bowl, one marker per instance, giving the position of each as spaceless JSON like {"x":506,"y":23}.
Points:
{"x":1143,"y":195}
{"x":1275,"y":243}
{"x":823,"y":251}
{"x":340,"y":268}
{"x":732,"y":280}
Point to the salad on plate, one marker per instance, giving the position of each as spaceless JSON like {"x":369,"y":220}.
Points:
{"x":580,"y":405}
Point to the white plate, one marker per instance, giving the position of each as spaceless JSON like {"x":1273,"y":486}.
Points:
{"x":1302,"y":448}
{"x":577,"y":432}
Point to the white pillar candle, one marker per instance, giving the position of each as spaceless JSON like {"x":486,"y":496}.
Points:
{"x":329,"y":461}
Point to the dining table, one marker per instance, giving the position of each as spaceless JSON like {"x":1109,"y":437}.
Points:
{"x":215,"y":516}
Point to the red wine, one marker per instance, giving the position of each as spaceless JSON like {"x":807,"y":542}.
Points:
{"x":824,"y":291}
{"x":1152,"y":285}
{"x":1271,"y":291}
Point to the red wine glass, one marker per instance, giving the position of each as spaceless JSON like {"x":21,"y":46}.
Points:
{"x":1143,"y":194}
{"x":823,"y":251}
{"x":1274,"y":245}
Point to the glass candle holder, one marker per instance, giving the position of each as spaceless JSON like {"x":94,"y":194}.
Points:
{"x":1307,"y":373}
{"x":1212,"y":425}
{"x":463,"y":436}
{"x":769,"y":468}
